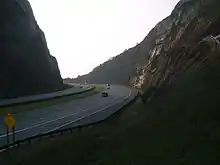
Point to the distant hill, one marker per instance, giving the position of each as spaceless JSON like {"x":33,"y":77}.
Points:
{"x":117,"y":70}
{"x":26,"y":66}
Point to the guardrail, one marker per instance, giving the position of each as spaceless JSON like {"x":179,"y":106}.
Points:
{"x":77,"y":126}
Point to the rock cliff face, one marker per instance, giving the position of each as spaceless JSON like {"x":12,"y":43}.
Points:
{"x":172,"y":46}
{"x":26,"y":66}
{"x":178,"y":42}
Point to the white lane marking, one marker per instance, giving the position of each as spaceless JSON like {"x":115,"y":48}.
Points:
{"x":38,"y":125}
{"x":47,"y":122}
{"x":56,"y":128}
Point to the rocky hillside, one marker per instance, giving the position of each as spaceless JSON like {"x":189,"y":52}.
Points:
{"x":26,"y":66}
{"x":172,"y":46}
{"x":180,"y":41}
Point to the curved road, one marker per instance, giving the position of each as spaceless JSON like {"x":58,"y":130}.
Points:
{"x":63,"y":115}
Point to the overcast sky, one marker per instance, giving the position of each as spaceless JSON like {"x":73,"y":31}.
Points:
{"x":82,"y":34}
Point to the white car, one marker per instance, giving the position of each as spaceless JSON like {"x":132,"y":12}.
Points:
{"x":108,"y":86}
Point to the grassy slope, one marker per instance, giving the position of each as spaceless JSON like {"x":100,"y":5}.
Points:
{"x":180,"y":125}
{"x":45,"y":103}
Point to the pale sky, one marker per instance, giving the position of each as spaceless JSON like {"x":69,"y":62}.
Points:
{"x":82,"y":34}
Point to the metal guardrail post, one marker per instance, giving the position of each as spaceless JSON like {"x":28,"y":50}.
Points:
{"x":13,"y":130}
{"x":51,"y":135}
{"x":18,"y":144}
{"x":40,"y":137}
{"x":29,"y":141}
{"x":7,"y":137}
{"x":71,"y":130}
{"x":80,"y":129}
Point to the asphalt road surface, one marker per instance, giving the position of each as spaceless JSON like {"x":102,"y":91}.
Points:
{"x":59,"y":116}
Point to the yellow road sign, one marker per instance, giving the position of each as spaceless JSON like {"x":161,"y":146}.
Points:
{"x":9,"y":121}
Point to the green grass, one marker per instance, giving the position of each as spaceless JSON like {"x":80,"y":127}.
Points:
{"x":45,"y":103}
{"x":180,"y":125}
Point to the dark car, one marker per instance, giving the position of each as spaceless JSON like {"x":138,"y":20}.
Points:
{"x":104,"y":94}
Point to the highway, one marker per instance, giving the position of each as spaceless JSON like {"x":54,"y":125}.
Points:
{"x":60,"y":116}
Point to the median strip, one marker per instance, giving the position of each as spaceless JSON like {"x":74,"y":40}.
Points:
{"x":14,"y":109}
